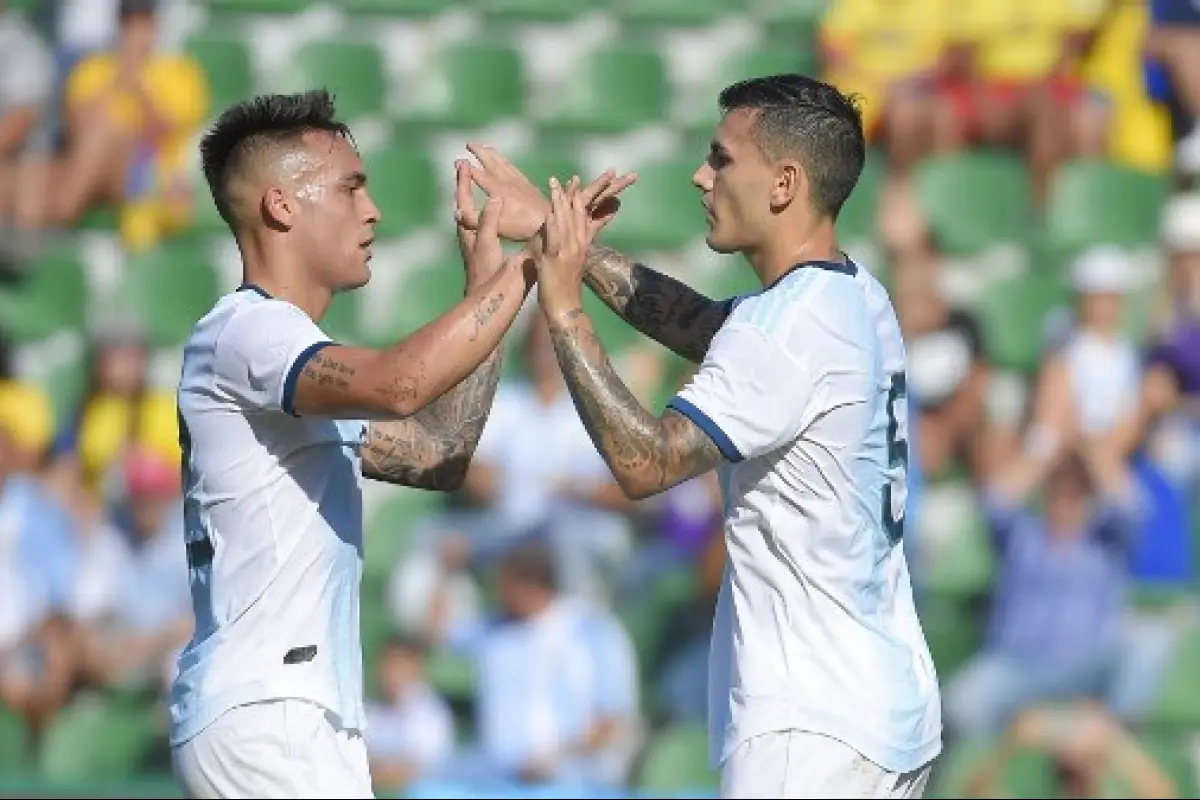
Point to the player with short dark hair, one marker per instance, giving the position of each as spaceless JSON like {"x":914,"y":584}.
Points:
{"x":821,"y":683}
{"x":279,"y":424}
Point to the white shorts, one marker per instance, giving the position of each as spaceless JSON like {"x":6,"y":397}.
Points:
{"x":802,"y":764}
{"x":278,"y":748}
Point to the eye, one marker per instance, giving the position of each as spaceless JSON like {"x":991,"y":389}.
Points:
{"x":718,"y":159}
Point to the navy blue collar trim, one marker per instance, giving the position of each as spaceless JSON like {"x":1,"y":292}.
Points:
{"x":846,"y":267}
{"x":251,"y":287}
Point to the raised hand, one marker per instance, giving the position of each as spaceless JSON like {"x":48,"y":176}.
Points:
{"x":481,"y":252}
{"x":525,"y":207}
{"x":560,"y":249}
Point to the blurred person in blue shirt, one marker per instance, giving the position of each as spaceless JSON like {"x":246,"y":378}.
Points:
{"x":557,"y":683}
{"x":1058,"y":628}
{"x":38,"y":562}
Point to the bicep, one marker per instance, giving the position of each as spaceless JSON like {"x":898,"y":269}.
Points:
{"x":332,"y":380}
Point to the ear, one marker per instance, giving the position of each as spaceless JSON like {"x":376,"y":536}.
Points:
{"x":277,"y":209}
{"x":791,"y":183}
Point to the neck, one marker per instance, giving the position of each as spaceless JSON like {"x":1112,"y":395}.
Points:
{"x":280,"y":273}
{"x":816,"y":241}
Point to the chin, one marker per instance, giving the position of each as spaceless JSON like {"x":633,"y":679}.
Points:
{"x":719,"y":246}
{"x":358,"y":281}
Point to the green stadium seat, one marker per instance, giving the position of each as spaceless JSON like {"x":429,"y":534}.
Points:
{"x":759,"y":62}
{"x":1025,"y":774}
{"x":341,"y":320}
{"x":539,"y":166}
{"x":98,"y":738}
{"x":794,"y":16}
{"x":14,"y":742}
{"x":228,"y":66}
{"x":219,"y":7}
{"x":1012,"y":313}
{"x":973,"y":200}
{"x":1170,"y":752}
{"x":452,"y":675}
{"x":168,"y":289}
{"x":470,"y":86}
{"x":387,"y":533}
{"x":662,"y":211}
{"x":353,"y":71}
{"x":1099,"y":202}
{"x":953,"y":630}
{"x":99,"y":218}
{"x":612,"y":90}
{"x":676,"y":760}
{"x":395,"y":8}
{"x":957,"y":556}
{"x":425,"y":293}
{"x":673,"y":13}
{"x":1177,"y":706}
{"x":404,"y":184}
{"x":857,"y":221}
{"x":532,"y":11}
{"x":52,"y":297}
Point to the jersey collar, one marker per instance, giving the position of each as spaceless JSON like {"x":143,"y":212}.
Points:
{"x":847,"y":267}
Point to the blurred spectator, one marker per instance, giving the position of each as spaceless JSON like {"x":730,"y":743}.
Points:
{"x":557,"y":682}
{"x":1089,"y":384}
{"x":1087,"y":746}
{"x":410,"y":730}
{"x":1171,"y":389}
{"x":132,"y":115}
{"x":38,"y":562}
{"x":137,"y":643}
{"x":26,"y":412}
{"x":1057,"y":628}
{"x":947,"y":364}
{"x":1029,"y":57}
{"x":1173,"y":51}
{"x":26,"y":89}
{"x":118,"y":410}
{"x":535,"y":467}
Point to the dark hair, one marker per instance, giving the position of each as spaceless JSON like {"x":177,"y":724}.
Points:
{"x":406,"y":643}
{"x":811,"y":121}
{"x":247,"y":128}
{"x":530,"y":562}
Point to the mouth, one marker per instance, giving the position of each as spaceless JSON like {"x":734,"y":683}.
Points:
{"x":365,"y":246}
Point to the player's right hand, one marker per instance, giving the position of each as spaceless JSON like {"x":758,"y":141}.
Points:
{"x":481,"y":252}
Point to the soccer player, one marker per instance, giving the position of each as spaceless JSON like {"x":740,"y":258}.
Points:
{"x":821,"y":684}
{"x":278,"y":425}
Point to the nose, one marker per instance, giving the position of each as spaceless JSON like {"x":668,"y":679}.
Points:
{"x":373,"y":212}
{"x":703,"y":176}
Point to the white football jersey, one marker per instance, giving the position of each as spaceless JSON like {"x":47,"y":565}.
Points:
{"x":273,"y":522}
{"x":803,"y":390}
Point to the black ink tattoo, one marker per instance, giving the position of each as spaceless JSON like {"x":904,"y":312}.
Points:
{"x":484,"y":311}
{"x":646,"y":454}
{"x":671,"y":313}
{"x":326,"y":371}
{"x":432,"y":448}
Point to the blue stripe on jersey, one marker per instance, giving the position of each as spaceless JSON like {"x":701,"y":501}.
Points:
{"x":253,"y":287}
{"x":710,"y":428}
{"x":846,"y":268}
{"x":288,"y":403}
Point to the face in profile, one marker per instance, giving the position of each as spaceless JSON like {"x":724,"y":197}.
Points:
{"x":334,"y":216}
{"x":735,"y":183}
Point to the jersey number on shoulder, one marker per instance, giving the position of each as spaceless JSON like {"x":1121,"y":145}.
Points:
{"x":897,"y":445}
{"x":199,"y":547}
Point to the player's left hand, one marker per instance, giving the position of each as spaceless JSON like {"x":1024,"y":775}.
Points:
{"x":560,"y":249}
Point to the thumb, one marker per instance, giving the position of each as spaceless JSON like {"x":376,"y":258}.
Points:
{"x":465,"y":212}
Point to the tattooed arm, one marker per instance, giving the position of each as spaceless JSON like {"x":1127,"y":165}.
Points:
{"x":676,"y":316}
{"x":432,"y":448}
{"x":646,"y":454}
{"x":398,"y":381}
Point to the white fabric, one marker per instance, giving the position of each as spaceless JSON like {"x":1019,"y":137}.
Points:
{"x":798,"y":764}
{"x":276,"y":501}
{"x":1105,"y":380}
{"x":815,"y":629}
{"x":275,"y":749}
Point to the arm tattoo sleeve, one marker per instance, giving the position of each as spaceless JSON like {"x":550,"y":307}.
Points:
{"x":646,"y":454}
{"x":432,"y":448}
{"x":671,"y":313}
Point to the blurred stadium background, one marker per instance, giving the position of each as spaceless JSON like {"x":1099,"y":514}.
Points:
{"x":1031,"y":174}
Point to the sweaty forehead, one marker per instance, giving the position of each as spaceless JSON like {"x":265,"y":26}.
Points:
{"x":319,"y":154}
